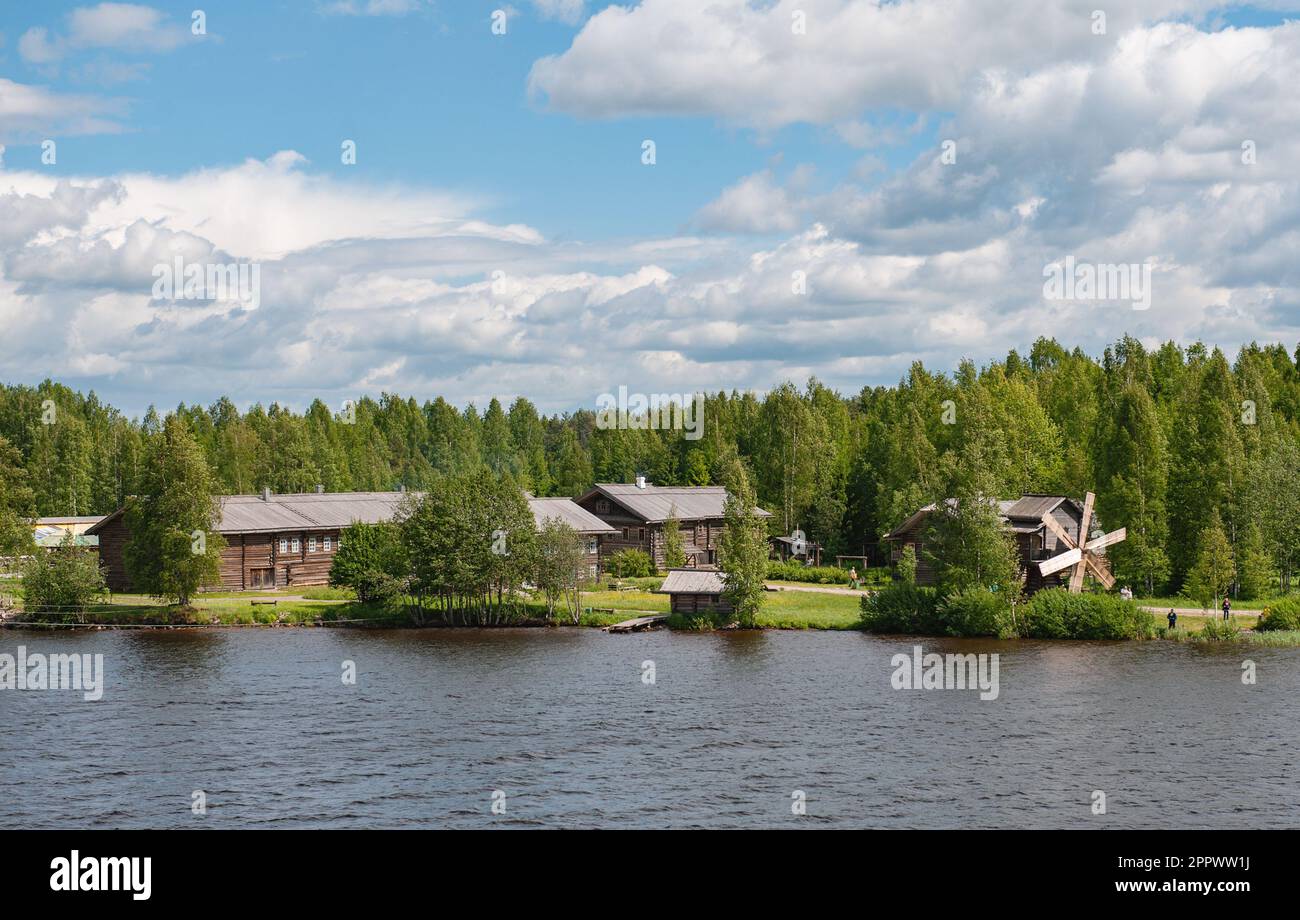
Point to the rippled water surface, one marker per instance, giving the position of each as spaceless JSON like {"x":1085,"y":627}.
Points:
{"x":562,"y":723}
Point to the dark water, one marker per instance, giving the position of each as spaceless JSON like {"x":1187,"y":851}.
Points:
{"x":562,"y":723}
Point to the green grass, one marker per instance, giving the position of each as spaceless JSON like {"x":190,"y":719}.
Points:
{"x":808,"y":610}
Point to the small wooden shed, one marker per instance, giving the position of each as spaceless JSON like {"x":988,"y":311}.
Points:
{"x":696,"y":591}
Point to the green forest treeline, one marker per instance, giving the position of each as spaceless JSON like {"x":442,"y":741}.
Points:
{"x":1166,"y":439}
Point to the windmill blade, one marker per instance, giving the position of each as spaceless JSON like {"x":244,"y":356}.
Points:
{"x":1076,"y":580}
{"x":1063,"y":561}
{"x":1109,"y":539}
{"x":1099,"y":571}
{"x":1061,"y":533}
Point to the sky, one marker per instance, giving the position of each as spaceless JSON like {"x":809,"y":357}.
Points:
{"x":838,"y":188}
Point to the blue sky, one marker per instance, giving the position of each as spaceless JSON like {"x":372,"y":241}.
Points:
{"x":431,"y":97}
{"x":793,"y":138}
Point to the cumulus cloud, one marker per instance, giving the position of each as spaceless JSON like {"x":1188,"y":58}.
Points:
{"x":120,"y":26}
{"x":819,"y":61}
{"x":1128,"y":148}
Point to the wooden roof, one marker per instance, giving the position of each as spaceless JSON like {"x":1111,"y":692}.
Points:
{"x":567,"y":511}
{"x":1021,"y":515}
{"x":296,"y":511}
{"x":654,"y":504}
{"x":692,"y":581}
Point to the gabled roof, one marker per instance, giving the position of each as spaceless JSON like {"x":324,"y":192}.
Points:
{"x":297,"y":511}
{"x":567,"y":511}
{"x":1022,"y":515}
{"x":70,"y":519}
{"x":307,"y":511}
{"x":654,"y":504}
{"x":692,"y":581}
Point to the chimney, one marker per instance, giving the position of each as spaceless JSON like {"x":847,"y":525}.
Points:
{"x":320,"y":489}
{"x":640,"y":482}
{"x":266,"y":494}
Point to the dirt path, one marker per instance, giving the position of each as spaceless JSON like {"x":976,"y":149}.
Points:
{"x":816,"y":589}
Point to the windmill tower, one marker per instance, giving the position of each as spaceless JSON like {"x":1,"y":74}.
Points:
{"x":1084,"y":554}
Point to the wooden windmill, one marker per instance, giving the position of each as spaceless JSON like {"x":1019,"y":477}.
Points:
{"x":1083,"y":555}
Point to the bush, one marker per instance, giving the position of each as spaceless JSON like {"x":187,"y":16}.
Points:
{"x":1283,"y":614}
{"x":902,"y":608}
{"x":371,"y":561}
{"x":1058,"y":614}
{"x":817,"y":574}
{"x":631,"y":563}
{"x":976,"y":612}
{"x":63,"y":580}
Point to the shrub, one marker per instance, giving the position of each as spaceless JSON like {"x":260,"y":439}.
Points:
{"x":901,"y":608}
{"x":1283,"y":614}
{"x":1058,"y":614}
{"x":975,"y":612}
{"x":63,"y":580}
{"x":818,"y":575}
{"x":631,"y":563}
{"x":371,"y":561}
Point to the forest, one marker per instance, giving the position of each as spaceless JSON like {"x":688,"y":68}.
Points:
{"x":1174,"y":441}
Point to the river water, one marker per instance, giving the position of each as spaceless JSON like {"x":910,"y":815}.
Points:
{"x":560,"y":727}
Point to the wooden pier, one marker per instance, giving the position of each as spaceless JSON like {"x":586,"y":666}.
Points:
{"x":637,"y":624}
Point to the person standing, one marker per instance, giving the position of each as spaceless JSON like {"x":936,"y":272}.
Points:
{"x":853,"y":577}
{"x":1227,"y":607}
{"x":1173,"y":619}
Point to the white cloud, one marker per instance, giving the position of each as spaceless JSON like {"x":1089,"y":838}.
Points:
{"x":742,"y":60}
{"x":30,"y":112}
{"x":120,"y":26}
{"x":1123,"y":148}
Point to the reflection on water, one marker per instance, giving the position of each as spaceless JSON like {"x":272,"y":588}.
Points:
{"x":562,"y":723}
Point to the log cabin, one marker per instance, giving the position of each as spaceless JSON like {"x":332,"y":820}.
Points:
{"x":637,"y":513}
{"x":272,"y":540}
{"x":695,"y":591}
{"x":591,"y":528}
{"x":1022,"y":518}
{"x":289,"y":540}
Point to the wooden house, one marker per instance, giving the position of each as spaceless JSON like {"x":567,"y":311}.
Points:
{"x":289,"y":540}
{"x":272,"y":540}
{"x":1024,"y":519}
{"x":637,"y":513}
{"x":592,"y":529}
{"x":695,"y":591}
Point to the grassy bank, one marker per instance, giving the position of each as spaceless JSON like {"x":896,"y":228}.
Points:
{"x":309,"y":606}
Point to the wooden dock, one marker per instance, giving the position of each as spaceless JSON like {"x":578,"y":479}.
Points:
{"x":636,"y":624}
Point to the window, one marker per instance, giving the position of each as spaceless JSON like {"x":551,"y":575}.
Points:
{"x":640,"y":534}
{"x":284,"y":546}
{"x":591,"y":546}
{"x":295,"y":546}
{"x":327,"y":544}
{"x":624,"y":533}
{"x":311,"y":544}
{"x":340,"y":547}
{"x":602,"y":506}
